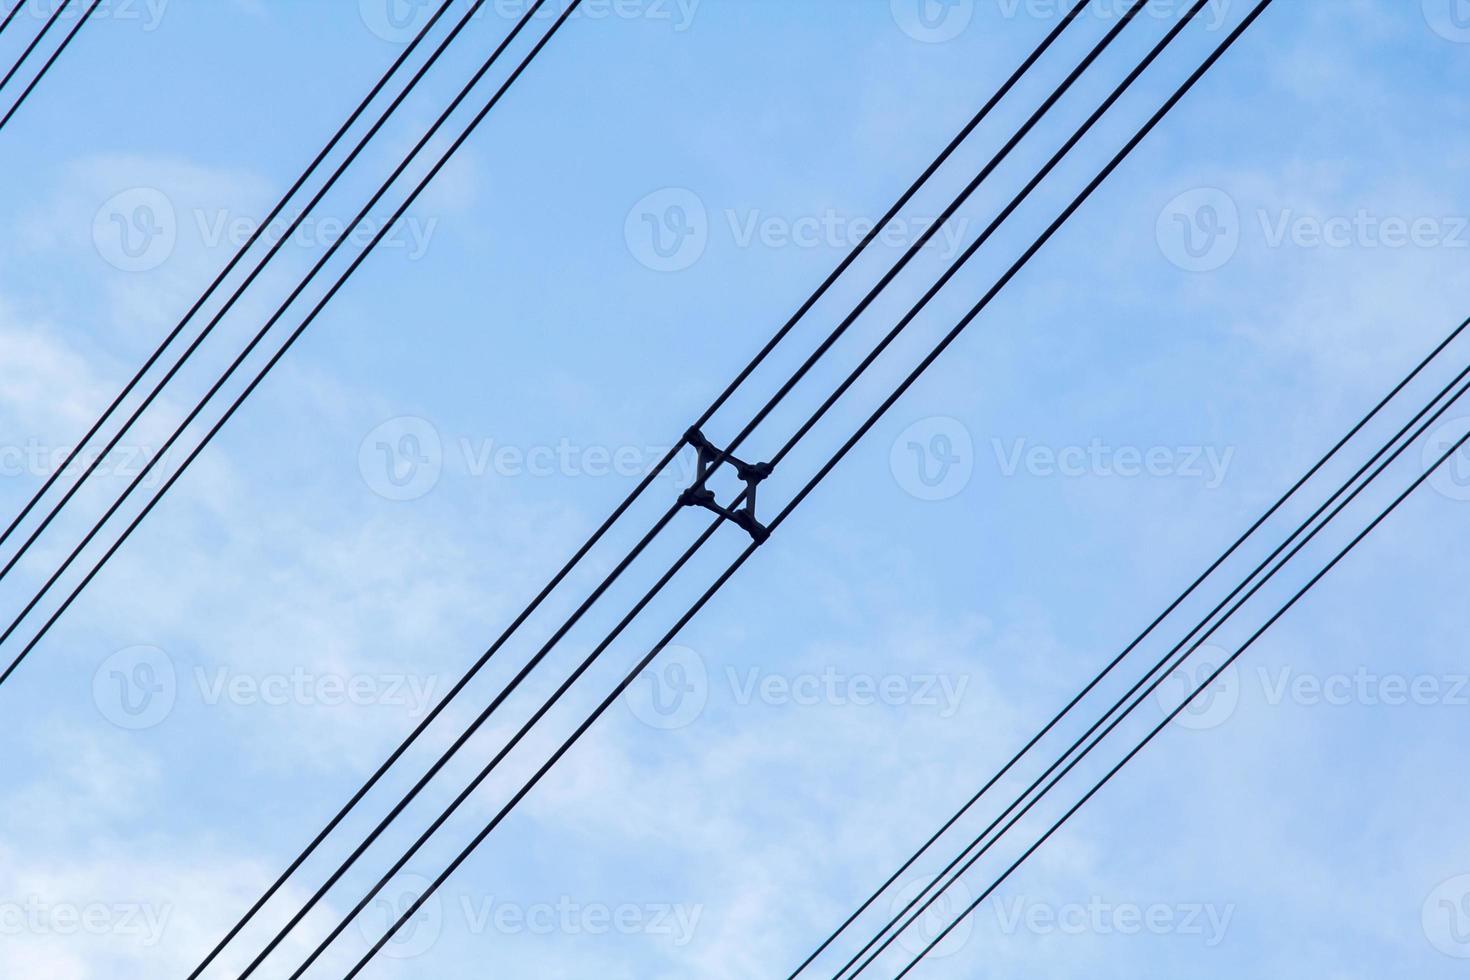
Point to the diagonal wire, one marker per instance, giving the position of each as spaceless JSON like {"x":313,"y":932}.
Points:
{"x":1133,"y":645}
{"x":1342,"y":498}
{"x":291,"y":339}
{"x":35,"y":41}
{"x":1203,"y":686}
{"x":637,"y":492}
{"x":51,"y":60}
{"x":19,"y":6}
{"x":745,"y":555}
{"x":484,"y":716}
{"x":249,"y":280}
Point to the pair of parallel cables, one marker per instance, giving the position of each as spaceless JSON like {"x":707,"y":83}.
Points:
{"x":1427,"y":417}
{"x":51,"y":21}
{"x":712,"y":457}
{"x":97,"y":458}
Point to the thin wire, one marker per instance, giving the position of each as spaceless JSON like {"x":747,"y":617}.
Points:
{"x":275,"y":358}
{"x":1164,"y":662}
{"x":505,"y":750}
{"x":959,"y":201}
{"x":459,"y":743}
{"x":47,"y":65}
{"x":990,"y":229}
{"x":249,"y":280}
{"x":622,"y":508}
{"x":1133,"y":645}
{"x":19,"y":6}
{"x":745,"y":555}
{"x":1205,"y":685}
{"x":537,"y":659}
{"x":45,"y":29}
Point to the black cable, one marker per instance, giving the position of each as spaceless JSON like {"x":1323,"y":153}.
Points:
{"x":249,"y":280}
{"x":1128,"y":650}
{"x":1203,"y":686}
{"x":19,"y":6}
{"x":291,"y":339}
{"x":543,"y":652}
{"x":622,"y":508}
{"x":499,"y":756}
{"x":1164,"y":663}
{"x":463,"y":738}
{"x":934,"y":227}
{"x":35,"y":41}
{"x":745,"y":555}
{"x":31,"y":87}
{"x":994,"y":226}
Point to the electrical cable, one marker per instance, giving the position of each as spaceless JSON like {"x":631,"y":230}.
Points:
{"x":46,"y":66}
{"x":291,"y":339}
{"x":249,"y":280}
{"x":745,"y":555}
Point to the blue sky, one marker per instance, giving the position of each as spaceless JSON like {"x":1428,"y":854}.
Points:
{"x":301,"y":608}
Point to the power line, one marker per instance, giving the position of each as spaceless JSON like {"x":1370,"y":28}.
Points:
{"x":1203,"y":686}
{"x":25,"y":93}
{"x":622,"y":508}
{"x":19,"y":6}
{"x":453,"y":749}
{"x":745,"y":555}
{"x":248,"y":281}
{"x":1351,"y":493}
{"x":1133,"y":645}
{"x":291,"y":339}
{"x":34,"y":42}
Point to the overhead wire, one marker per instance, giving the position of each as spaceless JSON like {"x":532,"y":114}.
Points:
{"x":1068,"y":19}
{"x":805,"y":491}
{"x":544,"y":651}
{"x":291,"y":338}
{"x":219,"y":279}
{"x":1117,"y":661}
{"x":1208,"y":682}
{"x":1341,"y":498}
{"x":50,"y":60}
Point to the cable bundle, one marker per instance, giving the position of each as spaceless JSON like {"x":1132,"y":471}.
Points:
{"x":742,"y":511}
{"x":35,"y":43}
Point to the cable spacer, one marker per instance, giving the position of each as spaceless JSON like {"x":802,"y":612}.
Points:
{"x":699,"y":495}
